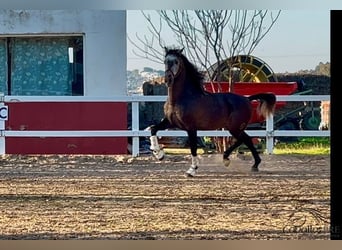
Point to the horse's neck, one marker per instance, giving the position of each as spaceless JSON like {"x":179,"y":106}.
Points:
{"x":180,"y":90}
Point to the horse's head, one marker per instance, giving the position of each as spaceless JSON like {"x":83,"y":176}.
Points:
{"x":173,"y":64}
{"x":179,"y":69}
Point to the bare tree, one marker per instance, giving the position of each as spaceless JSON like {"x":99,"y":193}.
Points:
{"x":211,"y":38}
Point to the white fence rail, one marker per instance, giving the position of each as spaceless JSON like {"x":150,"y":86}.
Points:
{"x":269,"y":133}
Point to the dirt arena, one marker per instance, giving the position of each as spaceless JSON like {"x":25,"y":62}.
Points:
{"x":119,"y":197}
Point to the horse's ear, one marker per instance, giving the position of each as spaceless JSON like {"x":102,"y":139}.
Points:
{"x":181,"y":50}
{"x":166,"y":49}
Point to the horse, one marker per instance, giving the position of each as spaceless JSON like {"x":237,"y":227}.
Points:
{"x":189,"y":107}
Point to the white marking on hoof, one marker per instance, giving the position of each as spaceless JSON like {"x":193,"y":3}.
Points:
{"x":194,"y":161}
{"x":156,"y":150}
{"x":154,"y":143}
{"x":194,"y":166}
{"x":191,"y":172}
{"x":226,"y":162}
{"x":159,"y":154}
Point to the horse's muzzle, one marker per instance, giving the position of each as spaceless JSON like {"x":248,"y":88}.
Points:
{"x":169,"y":78}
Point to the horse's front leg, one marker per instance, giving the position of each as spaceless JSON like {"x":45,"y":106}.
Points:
{"x":192,"y":135}
{"x":156,"y":150}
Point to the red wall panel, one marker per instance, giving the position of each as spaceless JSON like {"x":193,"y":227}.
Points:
{"x":66,"y":116}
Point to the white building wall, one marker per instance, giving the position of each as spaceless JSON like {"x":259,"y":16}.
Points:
{"x":104,"y":43}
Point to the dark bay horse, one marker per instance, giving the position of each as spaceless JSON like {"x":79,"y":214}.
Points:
{"x":189,"y":107}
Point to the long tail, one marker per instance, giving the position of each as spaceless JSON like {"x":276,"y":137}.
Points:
{"x":267,"y":103}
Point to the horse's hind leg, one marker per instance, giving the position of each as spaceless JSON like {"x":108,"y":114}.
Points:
{"x":243,"y":137}
{"x":227,"y":153}
{"x":156,"y":150}
{"x":247,"y":140}
{"x":192,"y":135}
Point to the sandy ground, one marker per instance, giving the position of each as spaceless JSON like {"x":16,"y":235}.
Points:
{"x":119,"y":197}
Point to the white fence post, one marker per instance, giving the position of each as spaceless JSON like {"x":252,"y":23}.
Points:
{"x":269,"y":134}
{"x":3,"y":118}
{"x":135,"y":128}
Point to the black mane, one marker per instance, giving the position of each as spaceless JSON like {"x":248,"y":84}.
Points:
{"x":193,"y":74}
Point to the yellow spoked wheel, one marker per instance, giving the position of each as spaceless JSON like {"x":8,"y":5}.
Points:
{"x":242,"y":68}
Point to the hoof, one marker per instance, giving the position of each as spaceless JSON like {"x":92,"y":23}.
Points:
{"x":255,"y":169}
{"x":189,"y":175}
{"x":159,"y":154}
{"x":191,"y":171}
{"x":226,"y":162}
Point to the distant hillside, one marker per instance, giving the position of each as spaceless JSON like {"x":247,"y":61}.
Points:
{"x":136,"y":78}
{"x":321,"y":69}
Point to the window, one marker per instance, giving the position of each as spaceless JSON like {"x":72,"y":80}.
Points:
{"x":41,"y":65}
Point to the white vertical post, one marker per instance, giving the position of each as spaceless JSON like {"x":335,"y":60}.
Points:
{"x":135,"y":128}
{"x":3,"y":118}
{"x":269,"y":134}
{"x":2,"y":138}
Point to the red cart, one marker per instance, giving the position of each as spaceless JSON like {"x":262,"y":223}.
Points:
{"x":248,"y":88}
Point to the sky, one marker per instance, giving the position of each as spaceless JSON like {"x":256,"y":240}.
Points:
{"x":299,"y":40}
